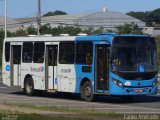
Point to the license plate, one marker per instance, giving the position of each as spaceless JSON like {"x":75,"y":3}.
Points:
{"x":139,"y":90}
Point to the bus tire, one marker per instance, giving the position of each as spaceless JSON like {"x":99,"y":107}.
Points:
{"x":87,"y":93}
{"x":82,"y":92}
{"x":29,"y":87}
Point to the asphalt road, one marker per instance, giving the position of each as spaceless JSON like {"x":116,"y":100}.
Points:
{"x":143,"y":104}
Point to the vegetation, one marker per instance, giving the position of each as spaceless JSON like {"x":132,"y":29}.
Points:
{"x":129,"y":29}
{"x":31,"y":30}
{"x":54,"y":111}
{"x":20,"y":116}
{"x":1,"y":45}
{"x":158,"y":50}
{"x":57,"y":12}
{"x":34,"y":112}
{"x":151,"y":18}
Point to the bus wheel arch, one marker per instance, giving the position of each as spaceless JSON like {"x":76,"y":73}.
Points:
{"x":29,"y":85}
{"x":86,"y":91}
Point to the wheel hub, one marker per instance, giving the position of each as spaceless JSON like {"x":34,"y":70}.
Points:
{"x":88,"y":91}
{"x":29,"y":87}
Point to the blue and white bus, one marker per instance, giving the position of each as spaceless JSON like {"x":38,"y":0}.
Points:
{"x":102,"y":64}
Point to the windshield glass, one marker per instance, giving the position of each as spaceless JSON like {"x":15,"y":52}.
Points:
{"x":134,"y":54}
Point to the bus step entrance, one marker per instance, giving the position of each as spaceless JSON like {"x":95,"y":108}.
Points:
{"x":51,"y":91}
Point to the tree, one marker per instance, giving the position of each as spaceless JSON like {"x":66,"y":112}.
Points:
{"x":70,"y":30}
{"x":151,"y":18}
{"x":158,"y":50}
{"x":46,"y":29}
{"x":57,"y":12}
{"x":138,"y":15}
{"x":1,"y":37}
{"x":20,"y":32}
{"x":129,"y":29}
{"x":1,"y":45}
{"x":155,"y":16}
{"x":143,"y":16}
{"x":31,"y":31}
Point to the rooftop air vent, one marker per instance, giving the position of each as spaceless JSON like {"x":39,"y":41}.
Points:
{"x":47,"y":35}
{"x":82,"y":34}
{"x":32,"y":35}
{"x":65,"y":35}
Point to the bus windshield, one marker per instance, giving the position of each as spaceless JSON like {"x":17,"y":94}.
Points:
{"x":134,"y":54}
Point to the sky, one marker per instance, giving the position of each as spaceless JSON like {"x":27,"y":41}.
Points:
{"x":28,"y":8}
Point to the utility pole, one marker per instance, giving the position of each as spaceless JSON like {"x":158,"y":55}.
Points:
{"x":39,"y":17}
{"x":5,"y":24}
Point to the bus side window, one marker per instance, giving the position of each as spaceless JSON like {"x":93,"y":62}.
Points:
{"x":52,"y":56}
{"x":84,"y":53}
{"x":88,"y":58}
{"x":67,"y":52}
{"x":17,"y":54}
{"x":38,"y":52}
{"x":27,"y":54}
{"x":7,"y":51}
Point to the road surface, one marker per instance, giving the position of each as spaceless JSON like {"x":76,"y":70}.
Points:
{"x":14,"y":95}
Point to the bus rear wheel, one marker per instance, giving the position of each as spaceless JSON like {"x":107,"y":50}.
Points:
{"x":29,"y":87}
{"x":86,"y":92}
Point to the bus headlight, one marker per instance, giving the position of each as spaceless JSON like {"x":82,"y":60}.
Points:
{"x":120,"y":84}
{"x":154,"y":83}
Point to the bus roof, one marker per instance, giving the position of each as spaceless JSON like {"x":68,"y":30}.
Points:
{"x":41,"y":38}
{"x":97,"y":37}
{"x":106,"y":37}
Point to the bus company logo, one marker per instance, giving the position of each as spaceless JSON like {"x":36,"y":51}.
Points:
{"x":128,"y":83}
{"x":65,"y":70}
{"x":40,"y":69}
{"x":8,"y":67}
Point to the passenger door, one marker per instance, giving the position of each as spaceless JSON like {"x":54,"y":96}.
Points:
{"x":15,"y":65}
{"x":101,"y":68}
{"x":51,"y":67}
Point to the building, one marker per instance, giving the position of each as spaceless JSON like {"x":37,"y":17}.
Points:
{"x":107,"y":19}
{"x":12,"y":24}
{"x":154,"y":31}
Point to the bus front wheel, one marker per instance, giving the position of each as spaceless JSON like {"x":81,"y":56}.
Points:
{"x":86,"y":92}
{"x":29,"y":86}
